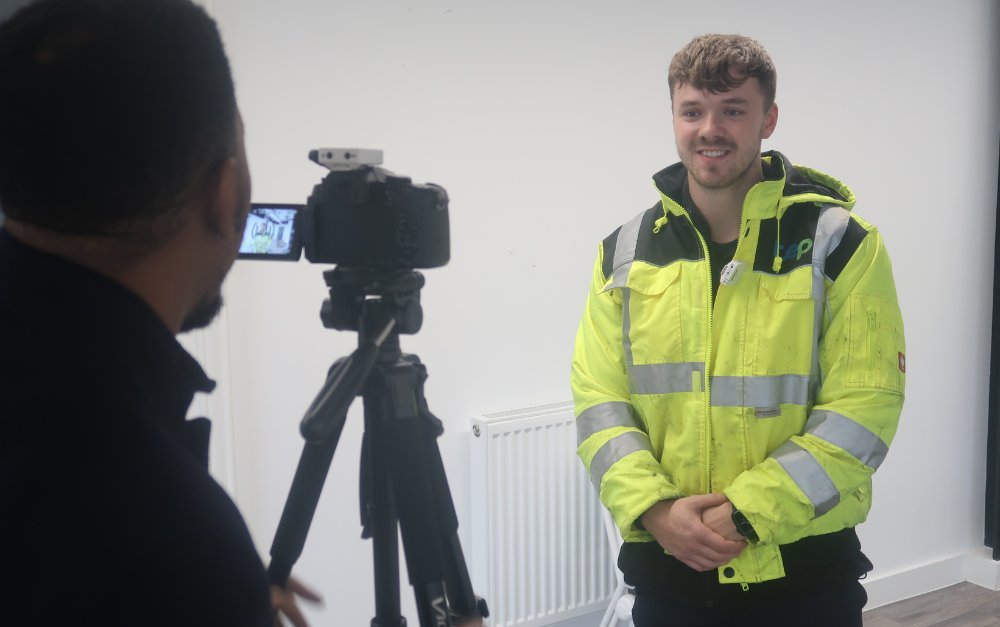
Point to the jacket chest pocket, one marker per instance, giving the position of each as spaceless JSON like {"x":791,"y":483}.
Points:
{"x":653,"y":331}
{"x":785,"y":316}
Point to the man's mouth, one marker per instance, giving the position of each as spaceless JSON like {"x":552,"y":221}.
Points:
{"x":712,"y":154}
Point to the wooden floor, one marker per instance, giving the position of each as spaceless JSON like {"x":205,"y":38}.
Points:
{"x":962,"y":605}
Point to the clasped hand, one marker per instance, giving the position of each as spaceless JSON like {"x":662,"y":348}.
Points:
{"x":697,"y":530}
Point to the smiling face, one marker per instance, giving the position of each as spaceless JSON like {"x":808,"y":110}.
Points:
{"x":719,"y":134}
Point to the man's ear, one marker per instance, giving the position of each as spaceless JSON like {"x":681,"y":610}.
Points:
{"x":223,"y":213}
{"x":770,"y":121}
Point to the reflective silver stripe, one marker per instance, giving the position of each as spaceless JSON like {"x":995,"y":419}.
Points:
{"x":663,"y":378}
{"x":830,"y":229}
{"x":628,"y":236}
{"x":849,"y":435}
{"x":601,"y":417}
{"x":788,"y":389}
{"x":806,"y":472}
{"x":627,"y":325}
{"x":613,"y":451}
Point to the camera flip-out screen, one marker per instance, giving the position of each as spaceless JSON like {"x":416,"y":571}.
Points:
{"x":272,"y":232}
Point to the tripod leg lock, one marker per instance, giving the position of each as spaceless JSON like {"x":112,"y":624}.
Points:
{"x":481,"y":611}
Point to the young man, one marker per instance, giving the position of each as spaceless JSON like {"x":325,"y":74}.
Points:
{"x":739,"y":369}
{"x":125,"y":186}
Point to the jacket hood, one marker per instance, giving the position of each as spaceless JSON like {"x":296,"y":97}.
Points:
{"x":784,"y":185}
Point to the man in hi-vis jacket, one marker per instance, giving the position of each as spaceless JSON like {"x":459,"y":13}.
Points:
{"x":739,"y":370}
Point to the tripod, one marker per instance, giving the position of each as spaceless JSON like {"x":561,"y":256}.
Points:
{"x":403,"y":483}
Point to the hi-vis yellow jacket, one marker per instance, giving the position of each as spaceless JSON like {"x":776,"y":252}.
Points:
{"x":785,"y":396}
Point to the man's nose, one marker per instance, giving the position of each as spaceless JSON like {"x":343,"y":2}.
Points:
{"x":711,"y":127}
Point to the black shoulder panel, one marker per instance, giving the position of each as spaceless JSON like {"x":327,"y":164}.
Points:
{"x":676,"y":240}
{"x":849,"y":244}
{"x":798,"y":228}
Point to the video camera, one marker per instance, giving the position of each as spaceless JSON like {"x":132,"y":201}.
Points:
{"x":358,"y":216}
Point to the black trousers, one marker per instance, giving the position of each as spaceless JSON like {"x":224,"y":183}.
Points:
{"x":833,"y":605}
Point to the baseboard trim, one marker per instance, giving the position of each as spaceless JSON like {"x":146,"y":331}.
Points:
{"x":981,"y":569}
{"x":976,"y":566}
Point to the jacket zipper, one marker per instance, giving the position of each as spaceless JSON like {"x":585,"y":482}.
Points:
{"x":708,"y":359}
{"x":708,"y":344}
{"x":708,"y":362}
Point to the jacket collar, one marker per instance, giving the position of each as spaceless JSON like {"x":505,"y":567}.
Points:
{"x":100,"y":321}
{"x":784,"y":184}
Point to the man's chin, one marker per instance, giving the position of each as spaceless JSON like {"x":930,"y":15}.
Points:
{"x":718,"y":178}
{"x":203,"y":314}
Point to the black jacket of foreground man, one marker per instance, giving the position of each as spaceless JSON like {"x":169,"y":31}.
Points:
{"x":108,"y":515}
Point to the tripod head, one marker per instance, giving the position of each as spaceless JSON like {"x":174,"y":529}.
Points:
{"x":360,"y":297}
{"x":379,"y":305}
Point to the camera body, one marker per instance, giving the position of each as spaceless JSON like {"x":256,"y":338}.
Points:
{"x":358,"y":216}
{"x":367,"y":217}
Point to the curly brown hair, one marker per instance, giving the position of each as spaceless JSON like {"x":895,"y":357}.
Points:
{"x":718,"y":63}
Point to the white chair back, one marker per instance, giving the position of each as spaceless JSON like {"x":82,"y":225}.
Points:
{"x":619,"y":612}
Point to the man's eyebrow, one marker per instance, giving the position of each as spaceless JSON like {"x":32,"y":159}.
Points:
{"x":735,"y":100}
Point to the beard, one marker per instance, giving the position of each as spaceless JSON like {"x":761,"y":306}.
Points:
{"x":736,"y":168}
{"x":724,"y":179}
{"x":717,"y":177}
{"x":203,"y":314}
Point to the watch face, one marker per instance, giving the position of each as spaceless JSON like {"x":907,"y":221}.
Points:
{"x":743,"y":526}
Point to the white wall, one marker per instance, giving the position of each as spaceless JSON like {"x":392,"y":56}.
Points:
{"x":8,"y":8}
{"x":545,"y":121}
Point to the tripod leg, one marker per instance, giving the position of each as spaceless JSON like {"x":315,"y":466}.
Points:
{"x":461,"y":596}
{"x":460,"y":592}
{"x":406,"y":430}
{"x":378,"y":518}
{"x":297,"y":516}
{"x":310,"y":475}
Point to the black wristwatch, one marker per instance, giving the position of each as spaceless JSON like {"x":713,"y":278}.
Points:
{"x":744,"y":527}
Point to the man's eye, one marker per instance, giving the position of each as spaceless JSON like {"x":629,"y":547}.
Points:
{"x":690,"y":114}
{"x":734,"y":112}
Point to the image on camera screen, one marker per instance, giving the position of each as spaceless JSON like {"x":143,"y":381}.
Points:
{"x":271,"y":233}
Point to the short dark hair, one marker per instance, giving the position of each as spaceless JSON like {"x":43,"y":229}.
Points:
{"x":718,"y":63}
{"x":112,"y":112}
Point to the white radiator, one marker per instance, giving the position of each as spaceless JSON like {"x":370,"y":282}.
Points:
{"x":539,"y":550}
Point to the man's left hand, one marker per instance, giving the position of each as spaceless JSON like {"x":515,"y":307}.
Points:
{"x":284,"y":601}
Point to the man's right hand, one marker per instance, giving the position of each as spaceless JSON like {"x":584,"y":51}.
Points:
{"x":678,"y":527}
